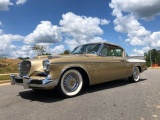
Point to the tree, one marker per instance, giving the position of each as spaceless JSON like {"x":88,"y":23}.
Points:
{"x":40,"y":49}
{"x":155,"y":57}
{"x":66,"y":52}
{"x":46,"y":53}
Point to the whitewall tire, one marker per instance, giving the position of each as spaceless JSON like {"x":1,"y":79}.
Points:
{"x":135,"y":75}
{"x":70,"y":83}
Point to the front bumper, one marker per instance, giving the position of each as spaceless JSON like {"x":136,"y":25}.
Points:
{"x":28,"y":82}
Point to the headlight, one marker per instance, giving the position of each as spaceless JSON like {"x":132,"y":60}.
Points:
{"x":19,"y":66}
{"x":46,"y":65}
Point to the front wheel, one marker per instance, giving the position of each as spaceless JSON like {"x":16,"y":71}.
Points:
{"x":135,"y":75}
{"x":70,"y":83}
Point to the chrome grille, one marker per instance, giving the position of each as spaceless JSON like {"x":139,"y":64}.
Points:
{"x":24,"y":68}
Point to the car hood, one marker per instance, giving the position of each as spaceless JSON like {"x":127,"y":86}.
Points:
{"x":72,"y":58}
{"x":36,"y":63}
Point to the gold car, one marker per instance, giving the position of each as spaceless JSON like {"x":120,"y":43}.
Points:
{"x":87,"y":64}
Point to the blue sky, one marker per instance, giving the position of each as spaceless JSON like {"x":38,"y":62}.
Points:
{"x":64,"y":24}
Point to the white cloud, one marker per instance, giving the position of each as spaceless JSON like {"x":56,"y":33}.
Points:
{"x":135,"y":31}
{"x":23,"y":51}
{"x":137,"y":52}
{"x":155,"y":40}
{"x":104,"y":22}
{"x":45,"y":32}
{"x":10,"y":37}
{"x":127,"y":13}
{"x":4,"y":5}
{"x":6,"y":46}
{"x":72,"y":43}
{"x":146,"y":9}
{"x":81,"y":29}
{"x":21,"y":2}
{"x":57,"y":50}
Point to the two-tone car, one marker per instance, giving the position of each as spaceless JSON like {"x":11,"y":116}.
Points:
{"x":87,"y":64}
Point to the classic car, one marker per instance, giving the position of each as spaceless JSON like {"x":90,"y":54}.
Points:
{"x":87,"y":64}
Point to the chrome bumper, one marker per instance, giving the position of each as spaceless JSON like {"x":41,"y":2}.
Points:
{"x":27,"y":82}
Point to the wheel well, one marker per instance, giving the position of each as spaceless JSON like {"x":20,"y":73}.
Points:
{"x":139,"y":68}
{"x":83,"y":73}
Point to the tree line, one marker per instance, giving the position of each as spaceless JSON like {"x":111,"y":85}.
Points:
{"x":152,"y":57}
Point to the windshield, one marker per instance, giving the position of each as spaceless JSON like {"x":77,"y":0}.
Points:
{"x":87,"y":49}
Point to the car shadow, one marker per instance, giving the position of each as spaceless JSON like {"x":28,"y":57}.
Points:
{"x":109,"y":85}
{"x":49,"y":96}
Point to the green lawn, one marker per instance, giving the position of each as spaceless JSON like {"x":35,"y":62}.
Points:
{"x":9,"y":69}
{"x":4,"y":77}
{"x":8,"y":66}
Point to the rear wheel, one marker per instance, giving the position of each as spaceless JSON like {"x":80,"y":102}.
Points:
{"x":135,"y":75}
{"x":71,"y":83}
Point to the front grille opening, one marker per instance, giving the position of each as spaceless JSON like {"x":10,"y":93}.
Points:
{"x":36,"y":82}
{"x":25,"y":67}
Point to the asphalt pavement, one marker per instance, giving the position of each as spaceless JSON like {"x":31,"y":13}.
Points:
{"x":117,"y":100}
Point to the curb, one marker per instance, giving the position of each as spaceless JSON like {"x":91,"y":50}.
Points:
{"x":4,"y":81}
{"x":154,"y":67}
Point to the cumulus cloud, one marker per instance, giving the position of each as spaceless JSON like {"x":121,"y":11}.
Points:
{"x":75,"y":30}
{"x":146,"y":9}
{"x":23,"y":51}
{"x":104,"y":22}
{"x":6,"y":46}
{"x":80,"y":29}
{"x":128,"y":12}
{"x":45,"y":32}
{"x":57,"y":50}
{"x":140,"y":52}
{"x":155,"y":40}
{"x":72,"y":43}
{"x":128,"y":24}
{"x":19,"y":2}
{"x":4,"y":5}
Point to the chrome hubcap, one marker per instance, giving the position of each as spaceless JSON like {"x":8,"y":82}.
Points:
{"x":71,"y":82}
{"x":136,"y":73}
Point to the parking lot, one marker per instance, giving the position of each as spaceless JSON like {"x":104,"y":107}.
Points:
{"x":117,"y":100}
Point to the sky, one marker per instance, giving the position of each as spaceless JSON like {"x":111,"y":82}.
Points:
{"x":64,"y":24}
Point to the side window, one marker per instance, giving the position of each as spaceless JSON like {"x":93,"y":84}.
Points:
{"x":104,"y":51}
{"x":111,"y":50}
{"x":114,"y":51}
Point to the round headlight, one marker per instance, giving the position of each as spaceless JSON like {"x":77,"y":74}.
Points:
{"x":19,"y":66}
{"x":46,"y":65}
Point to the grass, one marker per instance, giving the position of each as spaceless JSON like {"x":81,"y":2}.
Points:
{"x":4,"y":77}
{"x":8,"y":66}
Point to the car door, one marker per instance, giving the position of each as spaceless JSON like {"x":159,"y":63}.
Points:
{"x":113,"y":63}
